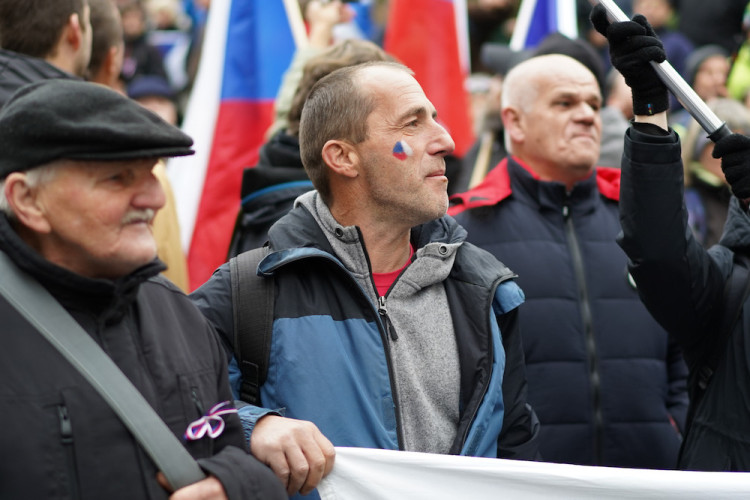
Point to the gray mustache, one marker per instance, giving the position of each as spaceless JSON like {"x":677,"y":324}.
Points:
{"x":146,"y":214}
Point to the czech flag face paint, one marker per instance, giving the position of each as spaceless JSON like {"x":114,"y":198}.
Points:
{"x":402,"y":150}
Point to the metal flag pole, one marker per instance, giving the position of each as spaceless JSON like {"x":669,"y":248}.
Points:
{"x":707,"y":119}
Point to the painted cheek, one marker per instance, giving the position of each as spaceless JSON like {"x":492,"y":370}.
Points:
{"x":402,"y":150}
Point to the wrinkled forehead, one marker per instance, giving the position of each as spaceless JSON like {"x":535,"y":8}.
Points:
{"x":573,"y":80}
{"x":394,"y":90}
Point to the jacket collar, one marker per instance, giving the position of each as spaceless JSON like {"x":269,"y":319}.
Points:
{"x":497,"y":186}
{"x":309,"y":229}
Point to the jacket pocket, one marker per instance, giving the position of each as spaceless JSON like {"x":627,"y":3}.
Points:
{"x":37,"y":464}
{"x":198,"y":394}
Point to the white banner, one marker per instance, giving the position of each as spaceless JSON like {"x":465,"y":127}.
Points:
{"x":367,"y":474}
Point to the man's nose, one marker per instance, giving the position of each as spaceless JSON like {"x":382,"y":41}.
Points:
{"x":150,"y":193}
{"x":443,"y":144}
{"x":587,"y":112}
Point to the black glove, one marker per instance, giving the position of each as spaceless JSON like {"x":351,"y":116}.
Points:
{"x":632,"y":45}
{"x":734,"y":151}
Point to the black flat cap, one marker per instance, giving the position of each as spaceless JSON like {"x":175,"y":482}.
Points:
{"x":76,"y":120}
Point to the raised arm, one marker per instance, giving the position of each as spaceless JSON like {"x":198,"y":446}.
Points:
{"x":678,"y":281}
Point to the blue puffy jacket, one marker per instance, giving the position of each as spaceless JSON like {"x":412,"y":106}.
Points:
{"x":608,"y":384}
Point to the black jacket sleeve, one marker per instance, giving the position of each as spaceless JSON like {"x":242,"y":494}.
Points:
{"x":243,"y":477}
{"x":677,"y":279}
{"x":241,"y":474}
{"x":519,"y":437}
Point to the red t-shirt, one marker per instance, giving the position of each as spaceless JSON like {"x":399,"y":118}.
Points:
{"x":383,"y":281}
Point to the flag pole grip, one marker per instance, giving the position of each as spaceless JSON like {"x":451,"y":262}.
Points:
{"x":706,"y":118}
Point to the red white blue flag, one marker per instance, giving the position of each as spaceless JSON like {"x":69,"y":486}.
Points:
{"x":431,"y":37}
{"x":248,"y":45}
{"x":538,"y":18}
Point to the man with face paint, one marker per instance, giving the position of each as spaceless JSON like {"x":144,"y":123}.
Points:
{"x":608,"y":383}
{"x":390,"y":331}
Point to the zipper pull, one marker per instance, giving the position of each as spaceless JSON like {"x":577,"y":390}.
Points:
{"x":66,"y":429}
{"x":566,"y":211}
{"x":383,"y":311}
{"x":197,"y":400}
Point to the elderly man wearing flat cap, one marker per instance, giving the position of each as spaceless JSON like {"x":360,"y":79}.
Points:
{"x":77,"y":197}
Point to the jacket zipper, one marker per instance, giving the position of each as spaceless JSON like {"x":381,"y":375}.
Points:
{"x":66,"y":438}
{"x":383,"y":311}
{"x":491,"y":350}
{"x":383,"y":338}
{"x":197,"y":401}
{"x":588,"y":327}
{"x":386,"y":330}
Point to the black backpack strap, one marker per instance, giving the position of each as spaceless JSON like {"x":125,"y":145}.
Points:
{"x":252,"y":311}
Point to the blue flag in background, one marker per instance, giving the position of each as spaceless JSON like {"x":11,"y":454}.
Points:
{"x":538,"y":18}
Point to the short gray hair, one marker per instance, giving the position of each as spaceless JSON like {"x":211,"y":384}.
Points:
{"x":336,"y":108}
{"x":34,"y":177}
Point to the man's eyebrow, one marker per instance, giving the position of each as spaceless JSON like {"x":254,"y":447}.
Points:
{"x":576,"y":95}
{"x":418,"y":111}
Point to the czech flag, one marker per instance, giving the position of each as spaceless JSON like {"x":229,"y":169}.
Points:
{"x":538,"y":18}
{"x":431,"y":38}
{"x":248,"y":46}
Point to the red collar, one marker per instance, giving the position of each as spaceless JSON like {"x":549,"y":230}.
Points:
{"x":496,"y":187}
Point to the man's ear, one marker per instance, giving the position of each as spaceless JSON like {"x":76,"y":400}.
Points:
{"x":512,"y":122}
{"x":111,"y":67}
{"x":113,"y":60}
{"x":341,"y":158}
{"x":23,"y":200}
{"x":72,"y":33}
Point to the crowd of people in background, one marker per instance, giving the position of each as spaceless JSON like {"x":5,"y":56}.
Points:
{"x":510,"y":303}
{"x":707,"y":45}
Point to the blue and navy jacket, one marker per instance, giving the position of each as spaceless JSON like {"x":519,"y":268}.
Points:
{"x":329,"y":360}
{"x":607,"y":382}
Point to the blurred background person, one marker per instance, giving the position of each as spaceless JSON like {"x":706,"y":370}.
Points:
{"x":738,"y":82}
{"x":708,"y":22}
{"x":141,"y":57}
{"x":707,"y":193}
{"x":661,"y":16}
{"x":706,"y":70}
{"x":43,"y":40}
{"x":107,"y":45}
{"x":490,"y":21}
{"x":154,"y":93}
{"x":616,"y":114}
{"x":321,"y":17}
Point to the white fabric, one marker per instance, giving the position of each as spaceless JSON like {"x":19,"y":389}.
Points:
{"x":367,"y":474}
{"x":187,"y":174}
